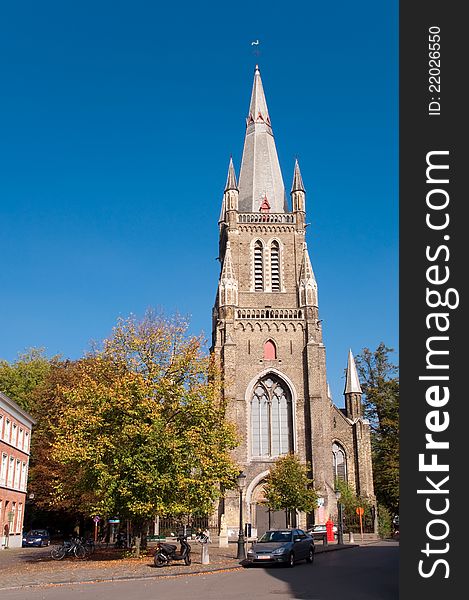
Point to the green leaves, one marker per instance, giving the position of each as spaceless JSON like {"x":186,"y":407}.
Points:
{"x":137,"y":429}
{"x":288,"y":486}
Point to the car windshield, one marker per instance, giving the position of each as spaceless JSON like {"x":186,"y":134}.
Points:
{"x":38,"y":532}
{"x":276,"y":536}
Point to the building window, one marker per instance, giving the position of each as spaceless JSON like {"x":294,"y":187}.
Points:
{"x":270,"y":350}
{"x":17,"y":475}
{"x":1,"y":427}
{"x":19,"y":520}
{"x":3,"y":469}
{"x":258,"y":267}
{"x":7,"y":430}
{"x":23,"y":477}
{"x":275,"y":266}
{"x":20,"y":439}
{"x":271,"y":418}
{"x":11,"y":470}
{"x":339,"y":462}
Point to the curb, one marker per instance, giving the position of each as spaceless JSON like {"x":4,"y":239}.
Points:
{"x":239,"y":565}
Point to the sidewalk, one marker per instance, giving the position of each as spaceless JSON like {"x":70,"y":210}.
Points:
{"x":27,"y":567}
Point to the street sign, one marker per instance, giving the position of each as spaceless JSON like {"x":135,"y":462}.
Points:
{"x":96,"y":519}
{"x":112,"y":521}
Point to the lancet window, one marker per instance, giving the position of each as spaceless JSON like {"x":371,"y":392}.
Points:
{"x":271,"y":418}
{"x":339,"y":462}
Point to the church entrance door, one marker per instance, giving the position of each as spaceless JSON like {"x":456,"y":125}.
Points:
{"x":269,"y":519}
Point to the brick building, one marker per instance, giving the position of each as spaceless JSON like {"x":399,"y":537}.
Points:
{"x":267,"y":337}
{"x":15,"y":436}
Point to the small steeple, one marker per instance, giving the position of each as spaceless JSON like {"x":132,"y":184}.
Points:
{"x":308,"y":288}
{"x":231,"y":183}
{"x":352,"y":383}
{"x":230,"y":196}
{"x":297,"y":185}
{"x":298,"y":195}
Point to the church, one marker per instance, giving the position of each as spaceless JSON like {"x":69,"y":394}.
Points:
{"x":267,"y":339}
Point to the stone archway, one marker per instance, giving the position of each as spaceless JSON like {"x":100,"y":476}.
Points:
{"x":262,"y":517}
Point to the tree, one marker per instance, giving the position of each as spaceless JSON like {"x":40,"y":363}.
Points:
{"x":19,"y":379}
{"x":289,"y":487}
{"x":380,"y":384}
{"x":138,"y":429}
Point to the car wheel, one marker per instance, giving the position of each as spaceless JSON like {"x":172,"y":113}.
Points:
{"x":291,"y":560}
{"x":310,"y":558}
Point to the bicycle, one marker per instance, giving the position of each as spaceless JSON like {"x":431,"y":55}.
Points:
{"x":73,"y":547}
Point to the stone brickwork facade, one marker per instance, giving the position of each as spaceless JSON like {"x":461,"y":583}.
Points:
{"x":267,"y":337}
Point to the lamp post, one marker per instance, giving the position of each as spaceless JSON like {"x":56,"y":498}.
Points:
{"x":241,"y":481}
{"x":340,"y":532}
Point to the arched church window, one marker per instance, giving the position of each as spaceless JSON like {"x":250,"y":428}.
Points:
{"x":258,"y":267}
{"x":270,"y":350}
{"x":275,"y":266}
{"x":271,"y":418}
{"x":339,"y":462}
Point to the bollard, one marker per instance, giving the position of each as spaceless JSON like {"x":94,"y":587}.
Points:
{"x":205,"y":556}
{"x":350,"y":538}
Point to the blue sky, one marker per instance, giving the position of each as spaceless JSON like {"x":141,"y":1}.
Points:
{"x":117,"y":122}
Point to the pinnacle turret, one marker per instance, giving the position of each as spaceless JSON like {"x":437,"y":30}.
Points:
{"x":228,"y":286}
{"x":231,"y":183}
{"x":297,"y":185}
{"x":308,"y":288}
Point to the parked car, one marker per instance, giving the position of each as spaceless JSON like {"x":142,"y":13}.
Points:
{"x":285,"y":546}
{"x":36,"y":537}
{"x":319,"y":532}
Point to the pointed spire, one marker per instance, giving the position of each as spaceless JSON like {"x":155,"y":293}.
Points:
{"x":258,"y":111}
{"x":260,"y":172}
{"x":297,"y":185}
{"x":352,"y":383}
{"x":231,"y":183}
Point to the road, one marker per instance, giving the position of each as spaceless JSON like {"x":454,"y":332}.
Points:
{"x":364,"y":573}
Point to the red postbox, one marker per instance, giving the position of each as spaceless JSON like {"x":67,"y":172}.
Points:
{"x":329,"y":530}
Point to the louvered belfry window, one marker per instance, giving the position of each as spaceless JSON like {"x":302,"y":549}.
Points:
{"x":258,"y":267}
{"x":275,"y":266}
{"x":271,"y":418}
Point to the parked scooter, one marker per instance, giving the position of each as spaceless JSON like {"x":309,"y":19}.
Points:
{"x":167,"y":553}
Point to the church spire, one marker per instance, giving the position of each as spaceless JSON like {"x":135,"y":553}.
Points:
{"x":353,"y":390}
{"x":352,"y":383}
{"x":260,"y":174}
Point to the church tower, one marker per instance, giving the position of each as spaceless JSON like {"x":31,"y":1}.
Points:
{"x":267,"y":333}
